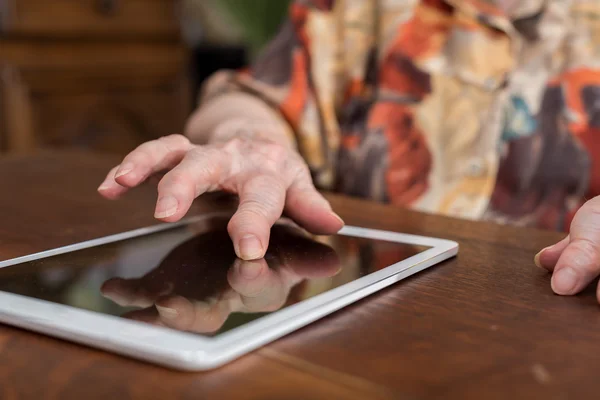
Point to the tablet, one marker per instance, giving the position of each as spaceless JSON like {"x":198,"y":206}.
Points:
{"x":176,"y":295}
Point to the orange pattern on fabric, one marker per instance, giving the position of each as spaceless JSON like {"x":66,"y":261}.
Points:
{"x":294,"y":103}
{"x":444,"y":112}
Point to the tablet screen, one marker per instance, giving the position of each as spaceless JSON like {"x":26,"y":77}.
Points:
{"x":188,"y":278}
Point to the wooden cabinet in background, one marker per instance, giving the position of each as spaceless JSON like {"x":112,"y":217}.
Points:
{"x":99,"y":74}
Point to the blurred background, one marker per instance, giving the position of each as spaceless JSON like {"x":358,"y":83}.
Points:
{"x":107,"y":75}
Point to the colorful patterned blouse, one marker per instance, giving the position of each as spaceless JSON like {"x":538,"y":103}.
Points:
{"x":469,"y":108}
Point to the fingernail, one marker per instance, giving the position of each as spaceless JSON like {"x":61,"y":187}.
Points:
{"x":250,"y":248}
{"x":250,"y":270}
{"x":536,"y":259}
{"x":340,"y":220}
{"x":166,"y":312}
{"x":165,"y":207}
{"x":564,"y":281}
{"x":104,"y":186}
{"x":124,"y":169}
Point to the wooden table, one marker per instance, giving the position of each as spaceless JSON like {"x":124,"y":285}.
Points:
{"x":482,"y":326}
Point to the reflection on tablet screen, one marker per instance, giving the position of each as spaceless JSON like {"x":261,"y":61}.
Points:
{"x":188,"y":278}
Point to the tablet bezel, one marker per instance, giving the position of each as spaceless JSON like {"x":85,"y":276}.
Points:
{"x":188,"y":351}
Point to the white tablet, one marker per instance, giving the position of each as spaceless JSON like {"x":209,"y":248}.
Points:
{"x":176,"y":295}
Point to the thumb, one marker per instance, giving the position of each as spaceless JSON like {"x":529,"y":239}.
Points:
{"x":548,"y":257}
{"x":579,"y":263}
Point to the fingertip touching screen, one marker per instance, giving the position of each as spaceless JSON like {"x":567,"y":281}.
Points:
{"x":188,"y":278}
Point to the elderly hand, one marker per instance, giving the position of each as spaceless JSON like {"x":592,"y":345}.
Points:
{"x":267,"y":176}
{"x":201,"y":282}
{"x":575,"y":260}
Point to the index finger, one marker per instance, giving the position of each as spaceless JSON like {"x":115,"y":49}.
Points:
{"x":145,"y":160}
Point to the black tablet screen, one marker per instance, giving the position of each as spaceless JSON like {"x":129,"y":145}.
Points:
{"x":188,"y":278}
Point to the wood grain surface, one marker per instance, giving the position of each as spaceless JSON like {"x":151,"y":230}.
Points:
{"x":484,"y":325}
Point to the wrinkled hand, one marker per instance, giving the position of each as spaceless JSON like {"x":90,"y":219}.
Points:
{"x":575,"y":260}
{"x":268,"y":178}
{"x":198,"y":285}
